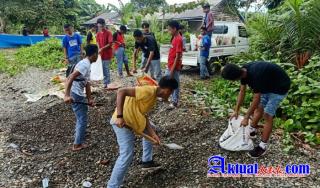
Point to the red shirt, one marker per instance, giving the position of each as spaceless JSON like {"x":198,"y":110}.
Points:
{"x":104,"y":37}
{"x":118,"y":39}
{"x":45,"y":32}
{"x":176,"y":47}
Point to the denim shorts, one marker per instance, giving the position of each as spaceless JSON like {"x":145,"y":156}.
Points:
{"x":271,"y":102}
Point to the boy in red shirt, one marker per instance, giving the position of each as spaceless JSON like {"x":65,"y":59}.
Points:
{"x":45,"y":32}
{"x":119,"y":49}
{"x":104,"y":41}
{"x":175,"y":59}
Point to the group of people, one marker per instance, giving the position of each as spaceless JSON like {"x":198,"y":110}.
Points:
{"x":133,"y":103}
{"x":269,"y":82}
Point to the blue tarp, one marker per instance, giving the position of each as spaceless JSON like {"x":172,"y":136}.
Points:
{"x":14,"y":41}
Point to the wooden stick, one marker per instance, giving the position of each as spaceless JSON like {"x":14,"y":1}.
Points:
{"x":149,"y":138}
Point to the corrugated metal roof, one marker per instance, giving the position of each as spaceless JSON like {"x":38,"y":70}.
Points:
{"x":110,"y":17}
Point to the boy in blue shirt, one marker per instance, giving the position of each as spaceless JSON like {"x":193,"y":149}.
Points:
{"x":74,"y":94}
{"x":72,"y":47}
{"x":204,"y":53}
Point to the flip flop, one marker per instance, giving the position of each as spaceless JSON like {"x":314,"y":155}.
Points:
{"x":83,"y":146}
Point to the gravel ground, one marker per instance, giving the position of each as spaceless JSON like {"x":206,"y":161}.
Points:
{"x":43,"y":133}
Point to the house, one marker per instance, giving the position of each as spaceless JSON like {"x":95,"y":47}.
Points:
{"x":110,"y":17}
{"x":194,"y":17}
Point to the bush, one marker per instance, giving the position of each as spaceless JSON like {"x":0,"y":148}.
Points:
{"x":47,"y":54}
{"x":163,"y":39}
{"x":220,"y":95}
{"x":299,"y":111}
{"x":301,"y":108}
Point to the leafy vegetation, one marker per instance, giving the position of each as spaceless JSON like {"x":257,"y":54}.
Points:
{"x":46,"y":55}
{"x":36,"y":14}
{"x":8,"y":66}
{"x":288,"y":36}
{"x":291,"y":30}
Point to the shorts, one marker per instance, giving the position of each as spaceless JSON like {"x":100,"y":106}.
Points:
{"x":271,"y":102}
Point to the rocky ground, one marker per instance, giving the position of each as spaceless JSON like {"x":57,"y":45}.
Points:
{"x":35,"y":142}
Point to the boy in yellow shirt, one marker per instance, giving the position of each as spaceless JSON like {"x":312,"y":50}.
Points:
{"x":130,"y":116}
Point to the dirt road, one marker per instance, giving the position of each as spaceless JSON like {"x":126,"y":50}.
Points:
{"x":35,"y":139}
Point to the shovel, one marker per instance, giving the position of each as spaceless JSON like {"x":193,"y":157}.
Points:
{"x":170,"y":145}
{"x":85,"y":103}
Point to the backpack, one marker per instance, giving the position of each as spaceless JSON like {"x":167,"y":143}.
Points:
{"x":70,"y":71}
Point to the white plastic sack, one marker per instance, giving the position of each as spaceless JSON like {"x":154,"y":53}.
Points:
{"x":236,"y":137}
{"x":193,"y":42}
{"x":96,"y":70}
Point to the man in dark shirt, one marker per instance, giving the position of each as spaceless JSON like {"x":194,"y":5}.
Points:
{"x":270,"y":84}
{"x":25,"y":31}
{"x":150,"y":48}
{"x":146,"y":32}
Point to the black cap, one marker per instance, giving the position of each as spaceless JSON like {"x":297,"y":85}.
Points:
{"x":101,"y":21}
{"x":123,"y":28}
{"x":206,"y":5}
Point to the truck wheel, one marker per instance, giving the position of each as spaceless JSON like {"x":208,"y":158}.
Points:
{"x":213,"y":67}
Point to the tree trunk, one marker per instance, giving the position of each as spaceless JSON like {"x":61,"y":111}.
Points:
{"x":162,"y":24}
{"x":2,"y":25}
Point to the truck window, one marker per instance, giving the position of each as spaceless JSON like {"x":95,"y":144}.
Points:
{"x":242,"y":32}
{"x":220,"y":29}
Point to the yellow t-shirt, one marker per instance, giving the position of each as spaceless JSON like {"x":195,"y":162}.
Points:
{"x":136,"y":108}
{"x":93,"y":38}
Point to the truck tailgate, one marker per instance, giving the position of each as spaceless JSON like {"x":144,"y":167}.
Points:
{"x":189,"y":58}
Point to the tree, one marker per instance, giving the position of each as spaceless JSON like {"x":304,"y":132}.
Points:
{"x":301,"y":29}
{"x":292,"y":29}
{"x":143,"y":4}
{"x":35,"y":14}
{"x":126,"y":11}
{"x":272,"y":4}
{"x":89,"y":9}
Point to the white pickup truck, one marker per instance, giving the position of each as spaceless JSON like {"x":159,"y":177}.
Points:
{"x":228,"y":38}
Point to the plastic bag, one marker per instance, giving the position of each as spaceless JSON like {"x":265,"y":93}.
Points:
{"x":236,"y":137}
{"x":96,"y":70}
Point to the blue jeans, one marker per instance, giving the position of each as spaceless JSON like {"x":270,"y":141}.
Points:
{"x":126,"y":139}
{"x":143,"y":61}
{"x":143,"y":64}
{"x":271,"y":102}
{"x":81,"y":112}
{"x":74,"y":59}
{"x":209,"y":33}
{"x":176,"y":92}
{"x":121,"y":59}
{"x":203,"y":67}
{"x":106,"y":72}
{"x":155,"y":70}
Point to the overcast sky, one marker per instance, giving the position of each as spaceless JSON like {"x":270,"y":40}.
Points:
{"x":115,"y":2}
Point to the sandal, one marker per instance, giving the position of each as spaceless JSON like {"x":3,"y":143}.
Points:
{"x":82,"y":146}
